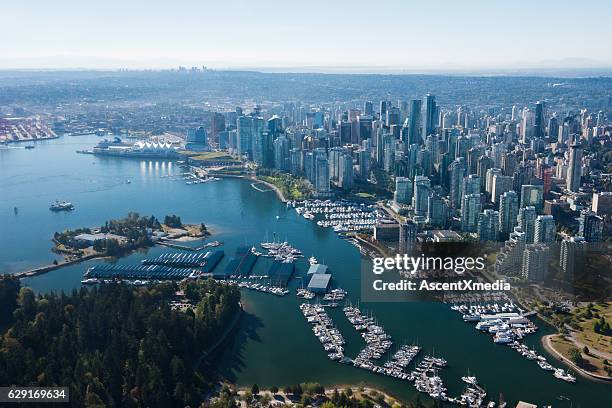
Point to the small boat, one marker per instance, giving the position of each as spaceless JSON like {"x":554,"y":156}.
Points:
{"x":128,"y":181}
{"x":61,"y":206}
{"x":29,"y":147}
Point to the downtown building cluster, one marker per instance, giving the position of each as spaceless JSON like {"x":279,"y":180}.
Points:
{"x":522,"y":177}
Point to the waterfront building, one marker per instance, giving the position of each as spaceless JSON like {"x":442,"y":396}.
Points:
{"x":296,"y":161}
{"x":322,"y":187}
{"x":470,"y":209}
{"x":196,"y":139}
{"x":545,"y":229}
{"x":282,"y":159}
{"x":407,"y":236}
{"x":386,"y":230}
{"x":345,"y":178}
{"x":535,"y":262}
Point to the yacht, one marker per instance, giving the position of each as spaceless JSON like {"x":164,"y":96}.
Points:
{"x":312,"y":260}
{"x":61,"y":206}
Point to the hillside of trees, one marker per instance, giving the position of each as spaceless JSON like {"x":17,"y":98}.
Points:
{"x":113,"y":345}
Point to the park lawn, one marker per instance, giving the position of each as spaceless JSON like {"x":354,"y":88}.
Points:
{"x":594,"y":364}
{"x":587,"y":335}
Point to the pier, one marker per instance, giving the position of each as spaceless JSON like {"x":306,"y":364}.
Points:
{"x":172,"y":244}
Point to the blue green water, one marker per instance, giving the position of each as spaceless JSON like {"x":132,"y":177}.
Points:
{"x":275,"y":345}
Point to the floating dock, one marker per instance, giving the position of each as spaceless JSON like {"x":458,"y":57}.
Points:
{"x":206,"y":262}
{"x":140,"y":272}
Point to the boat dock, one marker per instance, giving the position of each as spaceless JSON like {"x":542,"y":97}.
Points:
{"x":206,"y":262}
{"x":139,"y":272}
{"x":172,"y":244}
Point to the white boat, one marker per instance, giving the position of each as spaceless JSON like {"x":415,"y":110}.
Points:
{"x":61,"y":206}
{"x":312,"y":260}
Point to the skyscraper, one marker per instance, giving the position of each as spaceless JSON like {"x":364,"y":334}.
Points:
{"x":414,"y":122}
{"x":422,"y":187}
{"x":532,"y":195}
{"x":508,"y":212}
{"x":526,"y":221}
{"x":281,"y":153}
{"x":322,"y":187}
{"x":545,"y":230}
{"x":572,"y":254}
{"x":345,"y":178}
{"x":501,"y":184}
{"x":403,"y":190}
{"x":574,"y":171}
{"x":488,"y":225}
{"x":429,"y":116}
{"x":535,"y":262}
{"x":470,"y":209}
{"x":407,"y":236}
{"x":538,"y":123}
{"x":591,"y":226}
{"x":457,"y":172}
{"x":245,"y":136}
{"x":437,"y":211}
{"x":364,"y":163}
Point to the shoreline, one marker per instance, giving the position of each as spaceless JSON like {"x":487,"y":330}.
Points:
{"x":546,"y":343}
{"x":32,"y":139}
{"x":40,"y":270}
{"x":279,"y":193}
{"x":329,"y":390}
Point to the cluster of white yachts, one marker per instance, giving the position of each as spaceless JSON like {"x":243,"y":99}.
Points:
{"x":280,"y":251}
{"x":324,"y":329}
{"x":260,"y":287}
{"x":425,"y":374}
{"x":508,"y":325}
{"x":341,"y":215}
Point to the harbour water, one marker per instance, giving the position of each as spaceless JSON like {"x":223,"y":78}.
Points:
{"x":275,"y":345}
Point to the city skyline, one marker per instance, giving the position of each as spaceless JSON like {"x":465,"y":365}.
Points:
{"x":320,"y":37}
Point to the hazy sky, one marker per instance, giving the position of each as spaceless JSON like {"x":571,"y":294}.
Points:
{"x":235,"y":33}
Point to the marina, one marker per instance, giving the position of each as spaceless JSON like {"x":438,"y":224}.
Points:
{"x":340,"y":215}
{"x":508,"y":325}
